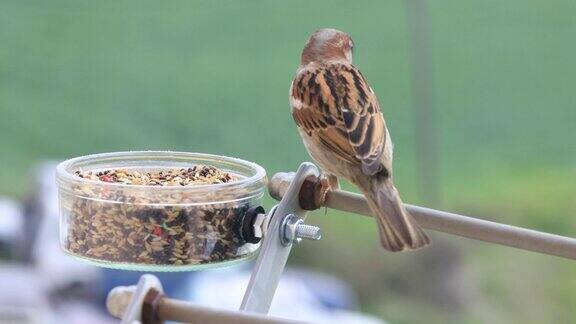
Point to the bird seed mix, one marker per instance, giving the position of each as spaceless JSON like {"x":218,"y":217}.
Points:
{"x":160,"y":229}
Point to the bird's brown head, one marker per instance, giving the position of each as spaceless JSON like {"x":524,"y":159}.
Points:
{"x":327,"y":45}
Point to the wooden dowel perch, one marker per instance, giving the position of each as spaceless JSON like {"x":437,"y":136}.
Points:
{"x":184,"y":312}
{"x":157,"y":308}
{"x":315,"y":194}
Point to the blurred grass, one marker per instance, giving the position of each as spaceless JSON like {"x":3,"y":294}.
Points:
{"x":79,"y":77}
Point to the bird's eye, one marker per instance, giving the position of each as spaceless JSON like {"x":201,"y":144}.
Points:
{"x":351,"y":46}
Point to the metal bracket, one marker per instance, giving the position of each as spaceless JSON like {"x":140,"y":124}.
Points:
{"x":273,"y":254}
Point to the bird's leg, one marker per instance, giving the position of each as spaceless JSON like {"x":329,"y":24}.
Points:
{"x":332,"y":180}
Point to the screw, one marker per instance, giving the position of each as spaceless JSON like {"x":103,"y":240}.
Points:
{"x":308,"y":232}
{"x":293,"y":230}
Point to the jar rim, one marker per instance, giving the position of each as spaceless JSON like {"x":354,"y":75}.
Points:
{"x":65,"y":175}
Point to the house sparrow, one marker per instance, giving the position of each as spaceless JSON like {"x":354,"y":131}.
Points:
{"x":340,"y":122}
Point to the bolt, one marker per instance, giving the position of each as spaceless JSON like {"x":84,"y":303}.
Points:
{"x":308,"y":232}
{"x":293,"y":230}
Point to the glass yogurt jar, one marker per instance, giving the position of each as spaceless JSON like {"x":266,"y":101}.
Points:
{"x":159,"y":227}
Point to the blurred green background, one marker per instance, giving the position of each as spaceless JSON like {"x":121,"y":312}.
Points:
{"x":80,"y":77}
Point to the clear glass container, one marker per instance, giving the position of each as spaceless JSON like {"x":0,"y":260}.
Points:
{"x":156,"y":228}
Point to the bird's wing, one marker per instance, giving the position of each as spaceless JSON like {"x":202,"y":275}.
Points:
{"x":336,"y":105}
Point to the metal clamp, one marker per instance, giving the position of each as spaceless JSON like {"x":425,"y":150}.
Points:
{"x":273,"y":252}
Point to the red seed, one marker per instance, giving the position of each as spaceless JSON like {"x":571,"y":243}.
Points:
{"x":105,"y":178}
{"x":157,"y":231}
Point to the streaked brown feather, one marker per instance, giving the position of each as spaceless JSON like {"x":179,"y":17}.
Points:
{"x":334,"y":104}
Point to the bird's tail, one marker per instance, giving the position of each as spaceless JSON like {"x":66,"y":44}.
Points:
{"x":398,"y":230}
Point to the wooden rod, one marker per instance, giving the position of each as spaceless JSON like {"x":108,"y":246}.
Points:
{"x":186,"y":312}
{"x":465,"y":226}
